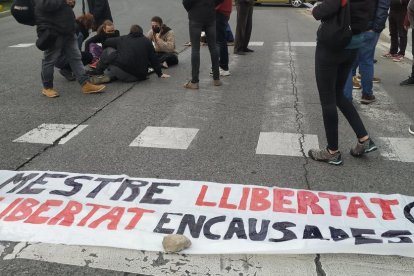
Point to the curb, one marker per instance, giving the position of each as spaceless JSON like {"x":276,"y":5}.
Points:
{"x":4,"y":14}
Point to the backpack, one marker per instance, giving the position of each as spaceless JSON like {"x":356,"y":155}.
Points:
{"x":23,"y":12}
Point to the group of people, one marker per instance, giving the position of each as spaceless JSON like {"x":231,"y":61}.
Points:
{"x":133,"y":56}
{"x":109,"y":56}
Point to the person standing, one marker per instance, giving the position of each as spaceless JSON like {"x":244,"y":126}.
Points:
{"x":409,"y":23}
{"x":244,"y":26}
{"x":202,"y":16}
{"x":100,"y":10}
{"x":223,"y":12}
{"x":332,"y":67}
{"x":398,"y":34}
{"x":56,"y":23}
{"x":365,"y":57}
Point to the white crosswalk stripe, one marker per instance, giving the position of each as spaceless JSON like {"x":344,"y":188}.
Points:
{"x":50,"y":133}
{"x":165,"y":137}
{"x":285,"y":144}
{"x":22,"y":45}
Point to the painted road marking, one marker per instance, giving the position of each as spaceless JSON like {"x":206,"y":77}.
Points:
{"x":50,"y":133}
{"x":165,"y":137}
{"x":22,"y":45}
{"x":297,"y":44}
{"x":159,"y":263}
{"x":286,"y":144}
{"x":256,"y":43}
{"x":397,"y":149}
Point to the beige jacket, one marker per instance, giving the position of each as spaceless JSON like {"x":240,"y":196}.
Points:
{"x":165,"y":43}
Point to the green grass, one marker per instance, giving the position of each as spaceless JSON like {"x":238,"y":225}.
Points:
{"x":6,"y":5}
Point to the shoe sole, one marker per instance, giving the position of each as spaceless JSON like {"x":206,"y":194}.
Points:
{"x":354,"y":87}
{"x":336,"y":163}
{"x":95,"y":91}
{"x":411,"y":131}
{"x":371,"y":149}
{"x":55,"y":96}
{"x":367,"y":102}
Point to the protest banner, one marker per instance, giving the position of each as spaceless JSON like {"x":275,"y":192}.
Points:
{"x":136,"y":213}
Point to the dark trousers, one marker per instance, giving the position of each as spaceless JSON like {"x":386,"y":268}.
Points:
{"x":221,"y":24}
{"x":195,"y":33}
{"x":412,"y":51}
{"x":397,"y":32}
{"x":332,"y":69}
{"x":170,"y":58}
{"x":65,"y":47}
{"x":244,"y":26}
{"x":107,"y":58}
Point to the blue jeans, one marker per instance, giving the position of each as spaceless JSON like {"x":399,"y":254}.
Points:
{"x":365,"y":61}
{"x":221,"y":21}
{"x":66,"y":47}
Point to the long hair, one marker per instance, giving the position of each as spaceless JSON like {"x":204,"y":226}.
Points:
{"x":86,"y":20}
{"x":104,"y":24}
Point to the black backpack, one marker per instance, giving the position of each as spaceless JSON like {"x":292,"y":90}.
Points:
{"x":23,"y":12}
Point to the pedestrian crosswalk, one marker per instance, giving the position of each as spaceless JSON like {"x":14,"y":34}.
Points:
{"x":269,"y":143}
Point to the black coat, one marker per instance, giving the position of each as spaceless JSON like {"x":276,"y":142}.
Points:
{"x":100,"y":10}
{"x":55,"y":15}
{"x":361,"y":12}
{"x":201,"y":11}
{"x":134,"y":54}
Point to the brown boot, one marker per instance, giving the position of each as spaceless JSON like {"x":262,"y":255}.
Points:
{"x":50,"y":92}
{"x":89,"y":88}
{"x":217,"y":83}
{"x":191,"y":85}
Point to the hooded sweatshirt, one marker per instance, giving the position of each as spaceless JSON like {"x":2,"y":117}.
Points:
{"x":225,"y":7}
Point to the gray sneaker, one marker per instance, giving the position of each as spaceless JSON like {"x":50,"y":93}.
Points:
{"x":323,"y":155}
{"x":100,"y":79}
{"x":364,"y":147}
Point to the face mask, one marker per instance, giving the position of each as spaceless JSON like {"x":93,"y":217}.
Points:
{"x":156,"y":29}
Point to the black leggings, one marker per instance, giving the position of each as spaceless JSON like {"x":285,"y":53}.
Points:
{"x":332,"y":69}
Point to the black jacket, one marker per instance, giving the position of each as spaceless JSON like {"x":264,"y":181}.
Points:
{"x":202,"y":11}
{"x":100,"y":38}
{"x":134,"y":54}
{"x":360,"y":10}
{"x":100,"y":10}
{"x":55,"y":15}
{"x":377,"y":22}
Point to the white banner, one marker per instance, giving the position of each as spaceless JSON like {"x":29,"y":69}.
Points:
{"x":136,"y":213}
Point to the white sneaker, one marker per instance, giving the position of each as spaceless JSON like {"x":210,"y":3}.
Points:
{"x":224,"y":73}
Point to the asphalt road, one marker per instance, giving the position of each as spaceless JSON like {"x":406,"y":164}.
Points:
{"x":272,"y":89}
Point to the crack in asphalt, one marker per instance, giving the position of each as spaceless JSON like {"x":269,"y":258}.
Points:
{"x":299,"y":115}
{"x":319,"y":268}
{"x":55,"y":143}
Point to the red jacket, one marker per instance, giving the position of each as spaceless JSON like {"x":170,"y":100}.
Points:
{"x":225,"y":7}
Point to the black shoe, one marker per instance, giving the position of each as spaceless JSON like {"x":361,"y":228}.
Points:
{"x":247,"y":50}
{"x":367,"y":99}
{"x":67,"y":74}
{"x":94,"y":72}
{"x":375,"y":61}
{"x":409,"y":81}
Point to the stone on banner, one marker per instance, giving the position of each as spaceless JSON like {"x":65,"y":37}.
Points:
{"x":175,"y":243}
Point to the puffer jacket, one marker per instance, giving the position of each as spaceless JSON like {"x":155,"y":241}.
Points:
{"x":55,"y":15}
{"x":360,"y":12}
{"x":201,"y":11}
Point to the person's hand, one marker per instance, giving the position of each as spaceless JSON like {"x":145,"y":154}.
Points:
{"x":165,"y":76}
{"x":71,"y":3}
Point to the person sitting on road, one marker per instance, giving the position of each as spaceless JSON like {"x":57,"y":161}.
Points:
{"x":163,"y":39}
{"x":127,"y":59}
{"x":105,"y":31}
